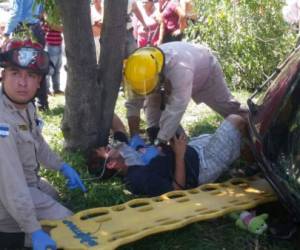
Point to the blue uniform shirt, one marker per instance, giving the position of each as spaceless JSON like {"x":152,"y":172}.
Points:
{"x":26,"y":11}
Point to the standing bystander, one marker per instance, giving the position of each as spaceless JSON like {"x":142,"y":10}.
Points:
{"x":97,"y":20}
{"x":53,"y":37}
{"x":170,"y":14}
{"x":149,"y":35}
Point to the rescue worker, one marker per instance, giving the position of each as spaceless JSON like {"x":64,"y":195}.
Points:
{"x":169,"y":76}
{"x":25,"y":198}
{"x":27,"y":14}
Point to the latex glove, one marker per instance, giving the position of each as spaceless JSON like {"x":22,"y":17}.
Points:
{"x":148,"y":153}
{"x":42,"y":241}
{"x":74,"y":180}
{"x":136,"y":141}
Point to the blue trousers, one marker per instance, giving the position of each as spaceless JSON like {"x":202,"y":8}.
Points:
{"x":55,"y":54}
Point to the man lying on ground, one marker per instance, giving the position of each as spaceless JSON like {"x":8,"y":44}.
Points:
{"x":154,"y":170}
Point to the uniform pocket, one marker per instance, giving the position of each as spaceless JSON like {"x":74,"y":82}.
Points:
{"x":27,"y":148}
{"x":24,"y":135}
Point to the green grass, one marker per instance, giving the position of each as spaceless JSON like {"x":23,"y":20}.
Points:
{"x":220,"y":233}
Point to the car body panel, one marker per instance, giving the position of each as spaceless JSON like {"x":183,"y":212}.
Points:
{"x":274,"y":123}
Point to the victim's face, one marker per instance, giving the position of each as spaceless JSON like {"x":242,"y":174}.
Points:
{"x":115,"y":160}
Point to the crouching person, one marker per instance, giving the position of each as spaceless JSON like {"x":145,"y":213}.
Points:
{"x":24,"y":197}
{"x":154,"y":170}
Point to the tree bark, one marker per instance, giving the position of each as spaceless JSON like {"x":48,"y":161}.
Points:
{"x":111,"y":62}
{"x":81,"y":119}
{"x":90,"y":100}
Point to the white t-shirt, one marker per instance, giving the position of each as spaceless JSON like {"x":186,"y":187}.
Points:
{"x":95,"y":15}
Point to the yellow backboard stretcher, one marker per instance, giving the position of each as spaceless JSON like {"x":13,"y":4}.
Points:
{"x":110,"y":227}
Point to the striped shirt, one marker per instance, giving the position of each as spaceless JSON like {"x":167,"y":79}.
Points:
{"x":52,"y":37}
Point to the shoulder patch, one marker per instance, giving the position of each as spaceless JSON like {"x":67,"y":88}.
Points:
{"x":4,"y":129}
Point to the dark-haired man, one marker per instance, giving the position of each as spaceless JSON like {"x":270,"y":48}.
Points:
{"x":154,"y":170}
{"x":27,"y":13}
{"x":167,"y":78}
{"x":24,"y":197}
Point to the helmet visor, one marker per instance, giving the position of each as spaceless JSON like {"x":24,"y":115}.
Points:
{"x":28,"y":58}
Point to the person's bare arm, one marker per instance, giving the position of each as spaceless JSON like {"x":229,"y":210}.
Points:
{"x":182,"y":17}
{"x":118,"y":125}
{"x":138,"y":14}
{"x":182,"y":20}
{"x":179,"y":147}
{"x":134,"y":125}
{"x":161,"y":33}
{"x":180,"y":11}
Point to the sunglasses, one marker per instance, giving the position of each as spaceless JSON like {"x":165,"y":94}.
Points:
{"x":26,"y":57}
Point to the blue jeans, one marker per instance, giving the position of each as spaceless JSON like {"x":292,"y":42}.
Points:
{"x":55,"y":54}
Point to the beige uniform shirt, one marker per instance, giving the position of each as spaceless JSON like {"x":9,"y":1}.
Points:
{"x":22,"y":148}
{"x":194,"y":73}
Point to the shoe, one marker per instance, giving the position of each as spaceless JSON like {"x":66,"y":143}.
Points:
{"x":58,"y":92}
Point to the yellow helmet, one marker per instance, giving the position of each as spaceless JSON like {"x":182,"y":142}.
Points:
{"x":142,"y":69}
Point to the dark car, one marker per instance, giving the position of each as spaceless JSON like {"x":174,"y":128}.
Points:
{"x":275,"y":131}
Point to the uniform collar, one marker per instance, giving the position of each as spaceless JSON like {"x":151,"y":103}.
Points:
{"x":10,"y":105}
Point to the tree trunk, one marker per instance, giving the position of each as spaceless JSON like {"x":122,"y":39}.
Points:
{"x":111,"y":62}
{"x":90,"y":100}
{"x":81,"y":119}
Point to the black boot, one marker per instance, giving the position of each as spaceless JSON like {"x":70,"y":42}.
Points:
{"x":152,"y":133}
{"x":42,"y":96}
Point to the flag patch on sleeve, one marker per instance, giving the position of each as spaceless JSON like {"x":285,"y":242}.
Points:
{"x":4,"y":130}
